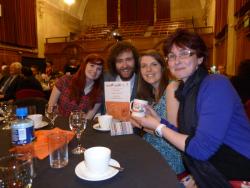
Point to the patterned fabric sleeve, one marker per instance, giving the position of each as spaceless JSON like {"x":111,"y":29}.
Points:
{"x":63,"y":82}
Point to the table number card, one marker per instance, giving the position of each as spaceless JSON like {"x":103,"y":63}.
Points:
{"x":121,"y":128}
{"x":117,"y":99}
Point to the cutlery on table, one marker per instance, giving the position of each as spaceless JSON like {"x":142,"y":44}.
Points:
{"x":117,"y":168}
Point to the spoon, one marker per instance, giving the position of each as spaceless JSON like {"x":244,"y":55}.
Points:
{"x":117,"y":168}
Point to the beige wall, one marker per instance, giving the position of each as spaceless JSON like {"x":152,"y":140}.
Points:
{"x":52,"y":22}
{"x":231,"y":40}
{"x":186,"y":9}
{"x":95,"y":13}
{"x":211,"y":13}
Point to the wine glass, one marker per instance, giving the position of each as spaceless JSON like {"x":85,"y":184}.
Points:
{"x":77,"y":123}
{"x":51,"y":112}
{"x":7,"y":111}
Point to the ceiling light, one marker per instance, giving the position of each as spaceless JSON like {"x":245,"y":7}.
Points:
{"x":69,"y":2}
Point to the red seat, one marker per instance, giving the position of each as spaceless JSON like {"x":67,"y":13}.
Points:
{"x":27,"y":93}
{"x":247,"y":107}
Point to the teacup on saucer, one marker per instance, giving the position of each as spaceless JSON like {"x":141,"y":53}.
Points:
{"x":83,"y":173}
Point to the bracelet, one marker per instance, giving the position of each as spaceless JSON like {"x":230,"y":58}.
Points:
{"x":158,"y":129}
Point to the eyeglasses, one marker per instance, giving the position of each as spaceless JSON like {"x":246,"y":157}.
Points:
{"x":182,"y":55}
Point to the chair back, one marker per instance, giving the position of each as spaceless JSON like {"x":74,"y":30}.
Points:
{"x":247,"y":108}
{"x":35,"y":105}
{"x":27,"y":93}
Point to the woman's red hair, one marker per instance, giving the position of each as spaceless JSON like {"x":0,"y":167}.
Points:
{"x":79,"y":80}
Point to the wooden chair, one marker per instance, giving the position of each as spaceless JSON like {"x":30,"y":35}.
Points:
{"x":27,"y":93}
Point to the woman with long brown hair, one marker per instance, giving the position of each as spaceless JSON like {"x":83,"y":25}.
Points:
{"x":81,"y":91}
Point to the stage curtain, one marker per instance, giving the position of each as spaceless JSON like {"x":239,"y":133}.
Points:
{"x":220,"y":16}
{"x":163,"y":9}
{"x":145,"y":10}
{"x":112,"y":14}
{"x":137,"y":10}
{"x":18,"y":23}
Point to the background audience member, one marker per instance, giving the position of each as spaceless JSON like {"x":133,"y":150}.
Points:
{"x":122,"y":66}
{"x":152,"y":83}
{"x":81,"y":91}
{"x":72,"y":66}
{"x":213,"y":129}
{"x":4,"y":74}
{"x":49,"y":77}
{"x":36,"y":72}
{"x":8,"y":88}
{"x":50,"y":72}
{"x":28,"y":81}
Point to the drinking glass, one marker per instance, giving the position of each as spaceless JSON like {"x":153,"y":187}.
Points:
{"x":51,"y":112}
{"x":77,"y":123}
{"x":16,"y":170}
{"x":7,"y":110}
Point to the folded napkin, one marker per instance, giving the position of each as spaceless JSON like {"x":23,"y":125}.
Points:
{"x":41,"y":148}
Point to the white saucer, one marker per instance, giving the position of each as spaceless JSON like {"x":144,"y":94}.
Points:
{"x":97,"y":127}
{"x":41,"y":125}
{"x":83,"y":173}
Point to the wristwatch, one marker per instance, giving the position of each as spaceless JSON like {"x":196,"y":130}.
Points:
{"x":158,"y":129}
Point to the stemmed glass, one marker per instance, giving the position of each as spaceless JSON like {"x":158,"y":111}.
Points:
{"x":78,"y":123}
{"x":51,"y":112}
{"x":7,"y":111}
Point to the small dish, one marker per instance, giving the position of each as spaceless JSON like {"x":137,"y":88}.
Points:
{"x":41,"y":125}
{"x":99,"y":128}
{"x":83,"y":173}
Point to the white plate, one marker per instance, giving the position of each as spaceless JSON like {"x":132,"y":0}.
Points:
{"x":97,"y":127}
{"x":41,"y":125}
{"x":83,"y":173}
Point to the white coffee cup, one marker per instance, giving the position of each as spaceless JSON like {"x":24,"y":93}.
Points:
{"x":105,"y":121}
{"x":97,"y":160}
{"x":137,"y":107}
{"x":37,"y":118}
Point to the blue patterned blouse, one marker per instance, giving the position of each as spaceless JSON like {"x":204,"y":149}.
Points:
{"x":168,"y":151}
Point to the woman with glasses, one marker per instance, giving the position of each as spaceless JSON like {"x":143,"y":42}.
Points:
{"x":81,"y":91}
{"x":213,"y":129}
{"x":152,"y":84}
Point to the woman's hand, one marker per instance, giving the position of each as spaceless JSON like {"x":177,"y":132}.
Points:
{"x":150,"y":111}
{"x":148,"y":121}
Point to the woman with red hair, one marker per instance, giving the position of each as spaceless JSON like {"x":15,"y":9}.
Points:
{"x":81,"y":91}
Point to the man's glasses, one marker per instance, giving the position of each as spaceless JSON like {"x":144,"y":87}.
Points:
{"x":182,"y":55}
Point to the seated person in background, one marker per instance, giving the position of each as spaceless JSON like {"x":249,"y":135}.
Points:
{"x":241,"y":81}
{"x":36,"y":72}
{"x":213,"y":129}
{"x":4,"y":75}
{"x":28,"y":81}
{"x":50,"y":76}
{"x":72,"y":67}
{"x":50,"y":73}
{"x":81,"y":91}
{"x":8,"y":88}
{"x":152,"y":86}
